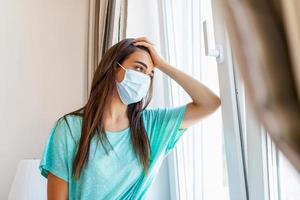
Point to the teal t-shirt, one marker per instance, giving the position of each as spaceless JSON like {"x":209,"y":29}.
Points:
{"x":118,"y":175}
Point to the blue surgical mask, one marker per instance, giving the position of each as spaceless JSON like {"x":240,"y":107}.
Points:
{"x":133,"y":87}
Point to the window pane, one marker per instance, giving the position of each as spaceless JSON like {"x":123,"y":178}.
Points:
{"x":200,"y":155}
{"x":289,"y":179}
{"x":214,"y":172}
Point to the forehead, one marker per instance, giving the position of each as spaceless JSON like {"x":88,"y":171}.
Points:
{"x":141,"y":56}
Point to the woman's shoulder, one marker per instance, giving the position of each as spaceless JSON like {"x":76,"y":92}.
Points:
{"x":158,"y":115}
{"x":68,"y":126}
{"x":150,"y":116}
{"x":150,"y":112}
{"x":153,"y":111}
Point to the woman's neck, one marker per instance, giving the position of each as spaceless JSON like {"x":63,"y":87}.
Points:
{"x":116,"y":112}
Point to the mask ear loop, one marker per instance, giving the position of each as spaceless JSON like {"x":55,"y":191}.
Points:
{"x":121,"y":66}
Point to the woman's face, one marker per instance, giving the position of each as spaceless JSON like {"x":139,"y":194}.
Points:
{"x":139,"y":61}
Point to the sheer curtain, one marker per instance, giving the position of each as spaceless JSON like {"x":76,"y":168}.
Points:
{"x":107,"y":26}
{"x":197,"y":166}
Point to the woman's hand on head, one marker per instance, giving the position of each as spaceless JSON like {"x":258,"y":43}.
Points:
{"x":156,"y":59}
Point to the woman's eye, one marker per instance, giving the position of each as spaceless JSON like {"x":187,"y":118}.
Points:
{"x":139,"y":68}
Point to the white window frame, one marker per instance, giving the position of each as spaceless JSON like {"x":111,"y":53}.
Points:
{"x":253,"y":145}
{"x":232,"y":125}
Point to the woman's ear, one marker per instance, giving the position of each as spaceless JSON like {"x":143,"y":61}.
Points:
{"x":119,"y":74}
{"x":115,"y":66}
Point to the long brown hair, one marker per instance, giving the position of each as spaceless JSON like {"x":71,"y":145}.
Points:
{"x":103,"y":86}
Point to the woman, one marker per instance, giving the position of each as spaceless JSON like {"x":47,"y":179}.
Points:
{"x":116,"y":115}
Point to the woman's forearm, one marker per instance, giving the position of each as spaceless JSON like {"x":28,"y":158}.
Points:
{"x":199,"y":93}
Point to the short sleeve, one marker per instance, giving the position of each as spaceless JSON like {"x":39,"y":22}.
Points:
{"x":57,"y":154}
{"x":163,"y":125}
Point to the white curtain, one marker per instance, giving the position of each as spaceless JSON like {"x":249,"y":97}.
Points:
{"x":197,"y":168}
{"x":181,"y":26}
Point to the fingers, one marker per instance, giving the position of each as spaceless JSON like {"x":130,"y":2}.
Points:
{"x":146,"y":44}
{"x":143,"y":39}
{"x":149,"y":47}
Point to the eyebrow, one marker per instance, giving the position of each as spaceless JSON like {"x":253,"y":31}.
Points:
{"x":141,"y":64}
{"x":144,"y":66}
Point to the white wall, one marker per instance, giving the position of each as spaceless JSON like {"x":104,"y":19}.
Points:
{"x":42,"y":59}
{"x":143,"y":21}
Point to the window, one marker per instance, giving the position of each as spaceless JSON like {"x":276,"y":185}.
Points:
{"x":284,"y":180}
{"x":228,"y":155}
{"x":198,"y":164}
